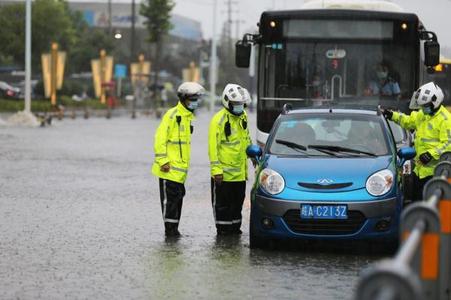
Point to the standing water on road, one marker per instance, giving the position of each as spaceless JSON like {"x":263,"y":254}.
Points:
{"x":80,"y":217}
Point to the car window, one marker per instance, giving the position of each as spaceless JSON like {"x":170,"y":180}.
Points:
{"x":399,"y":134}
{"x":355,"y":131}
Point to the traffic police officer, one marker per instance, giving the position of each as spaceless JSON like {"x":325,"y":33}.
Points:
{"x":433,"y":131}
{"x":228,"y":139}
{"x":172,"y":154}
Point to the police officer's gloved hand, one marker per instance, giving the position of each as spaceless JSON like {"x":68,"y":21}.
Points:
{"x":425,"y":158}
{"x":388,"y":114}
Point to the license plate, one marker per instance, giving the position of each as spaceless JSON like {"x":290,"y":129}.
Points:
{"x":310,"y":211}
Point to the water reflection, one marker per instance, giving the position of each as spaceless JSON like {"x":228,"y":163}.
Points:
{"x":223,"y":267}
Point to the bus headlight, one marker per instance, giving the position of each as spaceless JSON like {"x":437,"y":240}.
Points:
{"x":379,"y":183}
{"x":271,"y":181}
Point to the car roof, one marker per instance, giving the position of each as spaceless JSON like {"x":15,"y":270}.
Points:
{"x":333,"y":110}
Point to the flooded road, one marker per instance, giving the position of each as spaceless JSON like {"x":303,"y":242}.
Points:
{"x":80,"y":218}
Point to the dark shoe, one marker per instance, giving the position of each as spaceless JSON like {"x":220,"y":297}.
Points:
{"x":237,"y":231}
{"x":172,"y":232}
{"x":224,"y":232}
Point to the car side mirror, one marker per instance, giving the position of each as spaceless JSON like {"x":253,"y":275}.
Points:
{"x":431,"y":53}
{"x":254,"y":151}
{"x":406,"y":153}
{"x":242,"y":54}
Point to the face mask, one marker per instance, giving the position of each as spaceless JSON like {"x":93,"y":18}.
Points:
{"x":192,"y":105}
{"x":427,"y":110}
{"x":238,"y":109}
{"x":382,"y":74}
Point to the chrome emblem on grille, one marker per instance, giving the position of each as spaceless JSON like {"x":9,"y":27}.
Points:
{"x":325,"y":181}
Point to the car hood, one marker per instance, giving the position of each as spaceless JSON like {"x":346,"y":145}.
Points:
{"x":327,"y":174}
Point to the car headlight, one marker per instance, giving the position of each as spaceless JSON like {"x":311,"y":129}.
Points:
{"x":380,"y":182}
{"x":271,"y":181}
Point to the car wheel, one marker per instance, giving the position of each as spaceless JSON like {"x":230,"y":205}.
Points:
{"x":255,"y":241}
{"x":385,"y":247}
{"x":408,"y":188}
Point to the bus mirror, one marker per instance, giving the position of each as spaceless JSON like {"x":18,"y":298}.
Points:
{"x":242,"y":54}
{"x":431,"y":53}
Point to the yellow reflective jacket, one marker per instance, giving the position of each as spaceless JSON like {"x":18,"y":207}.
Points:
{"x":228,"y":153}
{"x":433,"y":135}
{"x":172,"y":144}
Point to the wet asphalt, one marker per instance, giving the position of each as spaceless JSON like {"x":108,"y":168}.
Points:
{"x":80,"y":218}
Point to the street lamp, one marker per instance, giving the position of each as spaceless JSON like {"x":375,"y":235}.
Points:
{"x":118,"y":35}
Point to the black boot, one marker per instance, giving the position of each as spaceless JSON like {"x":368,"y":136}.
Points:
{"x":171,"y":229}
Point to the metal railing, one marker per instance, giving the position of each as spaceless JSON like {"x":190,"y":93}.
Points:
{"x":421,"y":269}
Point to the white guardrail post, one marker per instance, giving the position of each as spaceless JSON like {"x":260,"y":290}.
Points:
{"x":422,"y":268}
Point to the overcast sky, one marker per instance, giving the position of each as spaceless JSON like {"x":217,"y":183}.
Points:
{"x":435,"y":14}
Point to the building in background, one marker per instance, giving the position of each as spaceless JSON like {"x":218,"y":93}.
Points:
{"x":181,"y":46}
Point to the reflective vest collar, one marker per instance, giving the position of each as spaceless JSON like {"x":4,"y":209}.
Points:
{"x":443,"y":112}
{"x":183,"y":111}
{"x":440,"y":113}
{"x":243,"y":116}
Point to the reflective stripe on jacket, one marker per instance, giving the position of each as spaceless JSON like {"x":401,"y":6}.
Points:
{"x":433,"y":135}
{"x":228,"y":153}
{"x":172,"y":144}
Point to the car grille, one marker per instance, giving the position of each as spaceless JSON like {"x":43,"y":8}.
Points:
{"x":350,"y":225}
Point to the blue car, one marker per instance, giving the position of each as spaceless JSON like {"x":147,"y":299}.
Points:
{"x":328,"y":174}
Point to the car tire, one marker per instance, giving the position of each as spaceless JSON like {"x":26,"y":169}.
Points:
{"x":255,"y":242}
{"x":408,"y":188}
{"x":384,"y":247}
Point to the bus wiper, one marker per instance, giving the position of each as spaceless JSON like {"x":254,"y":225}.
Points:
{"x":340,"y":149}
{"x":291,"y":145}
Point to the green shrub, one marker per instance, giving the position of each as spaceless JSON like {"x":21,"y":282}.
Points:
{"x":45,"y":105}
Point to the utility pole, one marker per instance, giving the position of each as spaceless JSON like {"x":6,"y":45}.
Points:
{"x":229,"y":4}
{"x":213,"y":69}
{"x":237,"y":28}
{"x":229,"y":23}
{"x":28,"y":57}
{"x":110,"y":23}
{"x":132,"y":44}
{"x":132,"y":53}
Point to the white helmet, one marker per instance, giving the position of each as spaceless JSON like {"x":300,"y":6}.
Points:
{"x":427,"y":93}
{"x":236,"y":94}
{"x":190,"y":90}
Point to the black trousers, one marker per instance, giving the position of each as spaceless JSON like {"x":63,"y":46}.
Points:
{"x":227,"y":200}
{"x":419,"y":186}
{"x":171,"y":196}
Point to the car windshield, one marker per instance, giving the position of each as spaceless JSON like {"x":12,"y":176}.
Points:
{"x":329,"y":134}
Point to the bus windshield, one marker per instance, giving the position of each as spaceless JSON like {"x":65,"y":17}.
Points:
{"x":319,"y":72}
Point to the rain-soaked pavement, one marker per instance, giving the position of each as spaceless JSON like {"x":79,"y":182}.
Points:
{"x":80,"y":218}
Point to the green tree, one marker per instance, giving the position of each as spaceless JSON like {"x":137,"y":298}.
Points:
{"x":87,"y":44}
{"x":50,"y":22}
{"x":157,"y":14}
{"x":12,"y":31}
